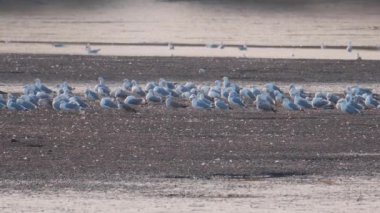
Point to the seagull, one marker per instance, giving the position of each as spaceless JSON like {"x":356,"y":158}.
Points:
{"x":302,"y":103}
{"x":221,"y":45}
{"x":107,"y":103}
{"x":243,"y":47}
{"x":120,"y":93}
{"x":287,"y":104}
{"x":102,"y":89}
{"x":319,"y":102}
{"x":3,"y":103}
{"x":349,"y":47}
{"x":355,"y":101}
{"x":13,"y":105}
{"x":170,"y":46}
{"x":294,"y":91}
{"x":136,"y":89}
{"x":346,"y":107}
{"x":212,"y":45}
{"x":42,"y":95}
{"x":127,"y":85}
{"x":69,"y":106}
{"x":221,"y":104}
{"x":78,"y":101}
{"x":271,"y":88}
{"x":358,"y":57}
{"x":91,"y":51}
{"x":263,"y":104}
{"x":234,"y":100}
{"x":26,"y":104}
{"x":278,"y":96}
{"x":133,"y":101}
{"x":213,"y":93}
{"x":56,"y":103}
{"x":41,"y":87}
{"x":91,"y":95}
{"x":150,"y":86}
{"x":160,"y":91}
{"x":151,"y":98}
{"x":170,"y":103}
{"x":166,"y":84}
{"x":30,"y":97}
{"x":198,"y":104}
{"x":357,"y":90}
{"x":247,"y":95}
{"x":58,"y":44}
{"x":370,"y":102}
{"x":64,"y":86}
{"x":332,"y":98}
{"x":204,"y":98}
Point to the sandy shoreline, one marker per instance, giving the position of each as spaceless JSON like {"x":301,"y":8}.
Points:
{"x":312,"y":194}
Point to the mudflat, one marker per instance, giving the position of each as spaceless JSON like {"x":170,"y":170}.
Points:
{"x":69,"y":151}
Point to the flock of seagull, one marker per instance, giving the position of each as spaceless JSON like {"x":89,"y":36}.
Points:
{"x":222,"y":95}
{"x":243,"y":47}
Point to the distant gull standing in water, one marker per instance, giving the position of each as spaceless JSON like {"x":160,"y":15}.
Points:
{"x":170,"y":46}
{"x":92,"y":51}
{"x":322,"y":46}
{"x":349,"y":47}
{"x":58,"y":44}
{"x":243,"y":47}
{"x":221,"y":45}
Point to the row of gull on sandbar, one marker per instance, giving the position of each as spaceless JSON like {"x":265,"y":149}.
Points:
{"x":222,"y":95}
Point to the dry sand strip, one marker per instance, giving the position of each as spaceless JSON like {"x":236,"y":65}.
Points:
{"x":312,"y":194}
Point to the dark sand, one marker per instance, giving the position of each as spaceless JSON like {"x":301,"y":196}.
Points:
{"x":25,"y":68}
{"x":114,"y":145}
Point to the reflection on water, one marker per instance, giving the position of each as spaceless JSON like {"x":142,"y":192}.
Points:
{"x":234,"y":22}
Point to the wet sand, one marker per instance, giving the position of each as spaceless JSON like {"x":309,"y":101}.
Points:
{"x":314,"y":194}
{"x":160,"y":160}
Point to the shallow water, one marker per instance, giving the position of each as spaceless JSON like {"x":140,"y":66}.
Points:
{"x":232,"y":22}
{"x":203,"y":51}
